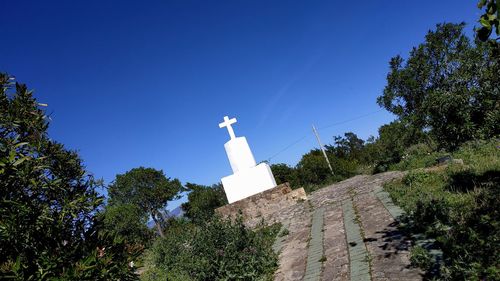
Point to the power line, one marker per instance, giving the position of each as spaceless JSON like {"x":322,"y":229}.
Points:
{"x":324,"y":127}
{"x":287,"y":147}
{"x":350,"y":120}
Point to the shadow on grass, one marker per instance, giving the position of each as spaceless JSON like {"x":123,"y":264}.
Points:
{"x":465,"y":181}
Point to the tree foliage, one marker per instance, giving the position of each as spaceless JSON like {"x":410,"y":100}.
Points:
{"x":202,"y":201}
{"x":47,"y":202}
{"x":313,"y":169}
{"x":347,"y":147}
{"x":283,"y":173}
{"x":490,"y":20}
{"x":448,"y":87}
{"x":128,"y":222}
{"x":147,"y":188}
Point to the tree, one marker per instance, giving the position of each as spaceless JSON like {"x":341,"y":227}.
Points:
{"x":128,"y":222}
{"x":147,"y":188}
{"x":448,"y":87}
{"x":283,"y":173}
{"x":313,"y":169}
{"x":348,"y":147}
{"x":47,"y":201}
{"x":202,"y":201}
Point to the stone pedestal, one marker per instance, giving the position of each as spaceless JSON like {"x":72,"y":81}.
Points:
{"x":264,"y":205}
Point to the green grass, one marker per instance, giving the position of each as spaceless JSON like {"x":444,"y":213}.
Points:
{"x":284,"y":232}
{"x":457,"y":206}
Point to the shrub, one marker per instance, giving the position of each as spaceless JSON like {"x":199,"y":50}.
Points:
{"x":420,"y":257}
{"x":216,"y":250}
{"x":458,"y":207}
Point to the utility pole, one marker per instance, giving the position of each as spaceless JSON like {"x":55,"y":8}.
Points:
{"x":322,"y":149}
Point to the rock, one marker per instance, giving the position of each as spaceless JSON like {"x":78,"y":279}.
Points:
{"x":264,"y":205}
{"x":444,"y":160}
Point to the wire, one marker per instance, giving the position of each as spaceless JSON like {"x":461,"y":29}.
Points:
{"x":321,"y":128}
{"x":287,"y":147}
{"x":350,"y":120}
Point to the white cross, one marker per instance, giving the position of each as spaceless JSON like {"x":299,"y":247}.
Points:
{"x":227,"y":123}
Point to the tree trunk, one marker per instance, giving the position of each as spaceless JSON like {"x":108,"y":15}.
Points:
{"x":164,"y":216}
{"x":158,"y":225}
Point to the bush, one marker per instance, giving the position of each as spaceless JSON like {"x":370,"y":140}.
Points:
{"x":216,"y":250}
{"x":420,"y":257}
{"x":418,"y":156}
{"x":458,"y":207}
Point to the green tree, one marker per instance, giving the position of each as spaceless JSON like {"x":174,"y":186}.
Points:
{"x":47,"y":202}
{"x":147,"y":188}
{"x":394,"y":138}
{"x":448,"y":87}
{"x":348,"y":147}
{"x":202,"y":201}
{"x":283,"y":173}
{"x":371,"y":151}
{"x":126,"y":221}
{"x":313,"y":169}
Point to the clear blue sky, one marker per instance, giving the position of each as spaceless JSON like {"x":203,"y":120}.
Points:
{"x":145,"y":83}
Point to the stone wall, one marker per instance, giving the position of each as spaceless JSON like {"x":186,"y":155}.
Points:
{"x":264,"y":205}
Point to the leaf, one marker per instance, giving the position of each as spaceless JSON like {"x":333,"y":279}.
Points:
{"x":483,"y":33}
{"x":491,"y":17}
{"x":498,"y":10}
{"x":20,"y":144}
{"x":17,"y":265}
{"x":491,"y":8}
{"x":485,"y":22}
{"x":481,"y":4}
{"x":19,"y":161}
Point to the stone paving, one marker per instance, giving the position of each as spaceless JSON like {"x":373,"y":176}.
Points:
{"x":359,"y":257}
{"x":345,"y":232}
{"x":336,"y":266}
{"x":315,"y":256}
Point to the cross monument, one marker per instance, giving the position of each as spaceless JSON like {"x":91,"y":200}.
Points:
{"x":227,"y":123}
{"x":248,"y":178}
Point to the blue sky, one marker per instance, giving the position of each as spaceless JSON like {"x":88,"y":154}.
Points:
{"x":145,"y":83}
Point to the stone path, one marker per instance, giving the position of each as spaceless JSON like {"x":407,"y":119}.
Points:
{"x":346,"y":231}
{"x":315,"y":257}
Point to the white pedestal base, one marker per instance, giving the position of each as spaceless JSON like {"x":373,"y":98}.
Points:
{"x":248,"y":182}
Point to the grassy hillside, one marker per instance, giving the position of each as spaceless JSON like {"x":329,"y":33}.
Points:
{"x":458,"y":206}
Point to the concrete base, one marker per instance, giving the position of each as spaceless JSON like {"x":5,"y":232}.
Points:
{"x":248,"y":182}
